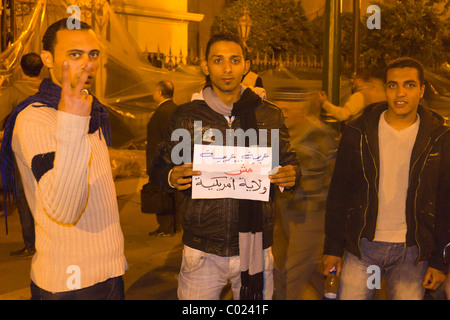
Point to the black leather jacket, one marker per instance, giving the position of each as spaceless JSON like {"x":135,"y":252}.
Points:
{"x":211,"y":225}
{"x":352,"y":205}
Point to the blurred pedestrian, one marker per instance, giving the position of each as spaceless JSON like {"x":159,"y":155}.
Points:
{"x":388,"y":206}
{"x":28,"y":84}
{"x":302,"y":217}
{"x":157,"y":131}
{"x":31,"y":66}
{"x":367,"y":89}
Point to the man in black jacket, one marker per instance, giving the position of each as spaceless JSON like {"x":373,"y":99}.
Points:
{"x":156,"y":131}
{"x":388,"y":204}
{"x":216,"y":231}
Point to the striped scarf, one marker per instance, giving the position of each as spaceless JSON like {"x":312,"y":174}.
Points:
{"x":48,"y":96}
{"x":250,"y":224}
{"x":250,"y":215}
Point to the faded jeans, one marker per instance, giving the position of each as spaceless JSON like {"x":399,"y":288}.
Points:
{"x":396,"y":263}
{"x":204,"y":275}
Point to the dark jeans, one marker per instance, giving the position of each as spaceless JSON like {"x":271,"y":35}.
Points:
{"x":170,"y":221}
{"x":25,"y":215}
{"x":111,"y":289}
{"x":166,"y":222}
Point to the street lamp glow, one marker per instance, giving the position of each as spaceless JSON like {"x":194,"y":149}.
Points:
{"x":244,"y":25}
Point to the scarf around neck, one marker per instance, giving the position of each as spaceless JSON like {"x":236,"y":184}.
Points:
{"x":250,"y":221}
{"x":48,"y":96}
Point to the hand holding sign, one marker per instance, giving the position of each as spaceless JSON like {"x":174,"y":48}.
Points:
{"x":181,"y":176}
{"x":233,"y":172}
{"x":285,"y":177}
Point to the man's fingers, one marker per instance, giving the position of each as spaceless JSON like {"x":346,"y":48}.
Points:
{"x":186,"y":173}
{"x":284,"y":175}
{"x":181,"y":176}
{"x":183,"y":187}
{"x":66,"y":77}
{"x":182,"y":181}
{"x":283,"y":180}
{"x":83,"y":77}
{"x":89,"y":99}
{"x":185,"y":170}
{"x":433,"y":279}
{"x":182,"y":167}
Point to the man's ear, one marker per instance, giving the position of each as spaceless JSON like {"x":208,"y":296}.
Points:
{"x":204,"y":67}
{"x":47,"y":59}
{"x":422,"y":91}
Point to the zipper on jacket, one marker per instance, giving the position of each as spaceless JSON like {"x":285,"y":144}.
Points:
{"x":367,"y":180}
{"x":368,"y":192}
{"x":374,"y":164}
{"x":226,"y":206}
{"x":230,"y":121}
{"x":417,"y":189}
{"x":415,"y":195}
{"x":368,"y":185}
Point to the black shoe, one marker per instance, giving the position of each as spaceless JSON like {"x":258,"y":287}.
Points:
{"x":164,"y":234}
{"x":23,"y":253}
{"x":159,"y":233}
{"x":154,"y":233}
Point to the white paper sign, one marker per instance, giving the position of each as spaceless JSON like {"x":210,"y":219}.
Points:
{"x":231,"y":172}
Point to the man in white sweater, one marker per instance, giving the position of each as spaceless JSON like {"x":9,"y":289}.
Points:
{"x":59,"y":142}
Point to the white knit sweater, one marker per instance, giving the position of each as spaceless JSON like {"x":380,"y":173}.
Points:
{"x":79,"y":241}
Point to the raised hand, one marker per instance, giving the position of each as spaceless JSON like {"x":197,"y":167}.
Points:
{"x":76,"y":100}
{"x":322,"y":96}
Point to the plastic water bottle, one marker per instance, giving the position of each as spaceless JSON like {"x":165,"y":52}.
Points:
{"x":331,"y":285}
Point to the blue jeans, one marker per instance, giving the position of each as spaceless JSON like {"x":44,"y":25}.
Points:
{"x":111,"y":289}
{"x":395,"y":262}
{"x":204,"y":275}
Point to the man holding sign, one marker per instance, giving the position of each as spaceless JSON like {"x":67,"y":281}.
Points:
{"x":227,"y":238}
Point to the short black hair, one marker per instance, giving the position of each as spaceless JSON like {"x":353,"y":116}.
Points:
{"x":166,"y":88}
{"x":406,"y":62}
{"x":224,"y":37}
{"x":31,"y":64}
{"x":49,"y":38}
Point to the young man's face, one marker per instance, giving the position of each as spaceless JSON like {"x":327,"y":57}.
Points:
{"x":78,"y":48}
{"x":403,"y":91}
{"x":225,"y":66}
